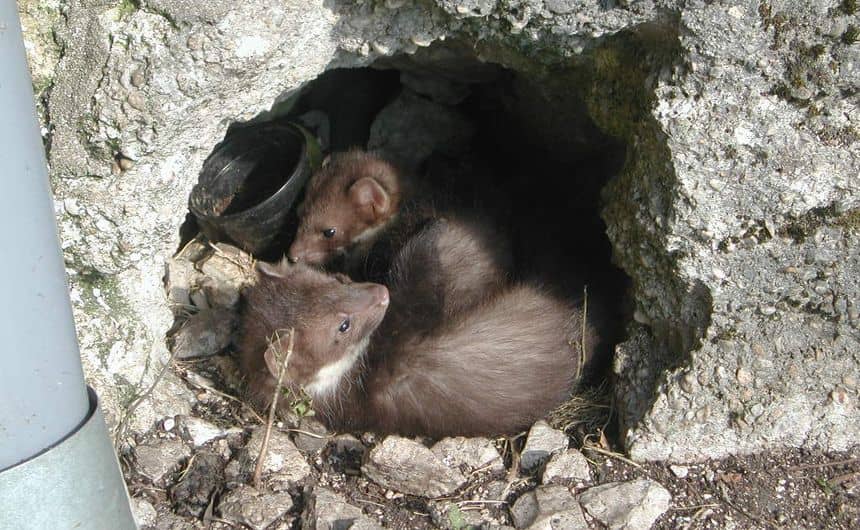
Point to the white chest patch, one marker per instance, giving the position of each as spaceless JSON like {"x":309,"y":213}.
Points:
{"x":330,"y":376}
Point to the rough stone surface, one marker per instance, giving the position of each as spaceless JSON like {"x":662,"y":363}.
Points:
{"x":326,"y":510}
{"x":566,"y":466}
{"x":316,"y":440}
{"x":406,"y":466}
{"x":412,"y":127}
{"x":198,"y":430}
{"x":548,"y":507}
{"x":253,"y":508}
{"x":469,"y":454}
{"x":283,"y":459}
{"x":631,"y":505}
{"x":157,"y":460}
{"x":543,"y":441}
{"x":736,"y":214}
{"x":144,"y":512}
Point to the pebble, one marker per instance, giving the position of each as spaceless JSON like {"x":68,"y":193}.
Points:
{"x":157,"y":460}
{"x":282,"y":457}
{"x":250,"y":507}
{"x":536,"y":509}
{"x":407,"y":466}
{"x":679,"y":471}
{"x":543,"y":441}
{"x":326,"y":510}
{"x":569,"y":465}
{"x":469,"y":454}
{"x":199,"y":431}
{"x":633,"y":505}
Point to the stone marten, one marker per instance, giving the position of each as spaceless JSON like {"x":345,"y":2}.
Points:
{"x":410,"y":360}
{"x":359,"y":210}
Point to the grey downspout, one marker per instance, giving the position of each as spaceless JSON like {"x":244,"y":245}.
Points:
{"x":58,"y":468}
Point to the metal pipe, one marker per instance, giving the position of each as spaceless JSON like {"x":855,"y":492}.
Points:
{"x":53,"y":440}
{"x":42,"y":391}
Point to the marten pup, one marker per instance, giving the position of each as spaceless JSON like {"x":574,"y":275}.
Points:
{"x":361,"y":209}
{"x":374,"y":362}
{"x":347,"y":203}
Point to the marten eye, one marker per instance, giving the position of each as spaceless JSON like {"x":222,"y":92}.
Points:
{"x":344,"y":325}
{"x":329,"y":232}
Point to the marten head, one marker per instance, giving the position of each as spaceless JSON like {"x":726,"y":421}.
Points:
{"x":333,"y":319}
{"x":346,"y":202}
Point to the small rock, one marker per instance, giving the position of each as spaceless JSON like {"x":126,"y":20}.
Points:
{"x":469,"y":454}
{"x":411,"y":128}
{"x":744,"y":376}
{"x":311,"y":443}
{"x":168,"y":424}
{"x":282,"y":457}
{"x":179,"y":281}
{"x":326,"y":510}
{"x":548,"y":507}
{"x":543,"y":442}
{"x":72,"y":207}
{"x":633,"y":505}
{"x":125,"y":163}
{"x":144,"y":512}
{"x":226,"y":272}
{"x":198,"y":430}
{"x":157,"y":460}
{"x":205,"y":333}
{"x":679,"y":471}
{"x":138,"y":78}
{"x":569,"y":465}
{"x":192,"y":494}
{"x":253,"y":508}
{"x":407,"y":466}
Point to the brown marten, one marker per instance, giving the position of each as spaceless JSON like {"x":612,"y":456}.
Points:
{"x":360,"y":209}
{"x":400,"y":364}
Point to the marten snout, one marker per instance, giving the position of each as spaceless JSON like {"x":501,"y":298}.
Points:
{"x":366,"y":296}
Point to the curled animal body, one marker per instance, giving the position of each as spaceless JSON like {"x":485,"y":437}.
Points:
{"x":449,"y":350}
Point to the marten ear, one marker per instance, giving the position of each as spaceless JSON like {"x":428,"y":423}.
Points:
{"x":371,"y":199}
{"x":280,"y":269}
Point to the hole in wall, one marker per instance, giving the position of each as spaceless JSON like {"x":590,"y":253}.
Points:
{"x":497,"y":139}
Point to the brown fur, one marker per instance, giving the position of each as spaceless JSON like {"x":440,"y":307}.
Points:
{"x":368,"y":241}
{"x":331,"y":202}
{"x":314,"y":305}
{"x":447,"y":268}
{"x":435,"y":366}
